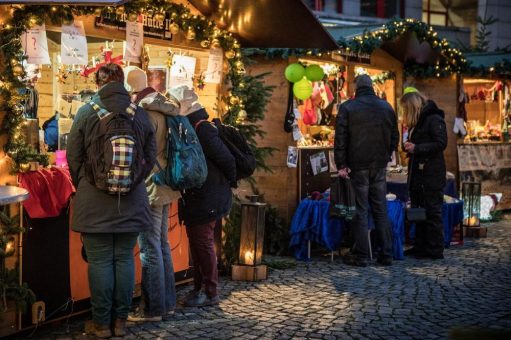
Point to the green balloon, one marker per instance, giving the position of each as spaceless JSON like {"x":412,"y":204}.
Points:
{"x":314,"y":72}
{"x":302,"y":89}
{"x":294,"y":72}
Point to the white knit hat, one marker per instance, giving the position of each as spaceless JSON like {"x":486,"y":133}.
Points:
{"x":135,"y":79}
{"x":187,"y":99}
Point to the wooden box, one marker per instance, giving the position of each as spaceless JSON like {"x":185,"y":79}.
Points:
{"x":475,"y":231}
{"x":249,"y":273}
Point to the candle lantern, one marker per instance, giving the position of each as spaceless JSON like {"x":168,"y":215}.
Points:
{"x":251,"y":242}
{"x":471,"y":196}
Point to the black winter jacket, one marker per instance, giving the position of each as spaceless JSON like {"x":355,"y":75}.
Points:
{"x":366,"y":132}
{"x":427,"y":166}
{"x":95,"y":211}
{"x":213,"y":200}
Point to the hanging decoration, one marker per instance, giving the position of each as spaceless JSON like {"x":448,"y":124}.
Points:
{"x":302,"y":89}
{"x":314,"y":72}
{"x":23,"y":17}
{"x":106,"y":55}
{"x":294,"y":72}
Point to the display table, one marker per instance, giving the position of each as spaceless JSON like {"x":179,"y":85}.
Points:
{"x":397,"y":184}
{"x":312,"y":222}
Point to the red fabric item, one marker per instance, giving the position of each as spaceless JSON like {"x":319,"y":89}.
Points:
{"x":309,"y":116}
{"x":49,"y":190}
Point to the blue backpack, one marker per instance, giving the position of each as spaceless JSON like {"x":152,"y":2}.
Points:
{"x":186,"y":164}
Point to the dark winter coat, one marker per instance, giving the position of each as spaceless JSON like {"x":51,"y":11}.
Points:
{"x":427,"y":166}
{"x":96,"y":211}
{"x":366,"y":132}
{"x":213,"y":200}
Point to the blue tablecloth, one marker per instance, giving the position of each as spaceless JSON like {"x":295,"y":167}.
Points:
{"x":312,"y":222}
{"x":401,"y":189}
{"x":452,"y":214}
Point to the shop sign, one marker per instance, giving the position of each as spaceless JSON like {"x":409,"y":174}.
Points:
{"x":152,"y":28}
{"x":35,"y":45}
{"x":357,"y":57}
{"x":74,"y":44}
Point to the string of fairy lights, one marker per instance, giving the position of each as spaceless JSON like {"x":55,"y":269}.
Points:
{"x":194,"y":28}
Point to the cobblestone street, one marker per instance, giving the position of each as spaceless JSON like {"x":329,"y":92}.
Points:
{"x":414,"y":299}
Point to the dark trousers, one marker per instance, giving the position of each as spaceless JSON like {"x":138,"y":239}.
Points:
{"x":202,"y":247}
{"x":370,"y":189}
{"x":429,"y":234}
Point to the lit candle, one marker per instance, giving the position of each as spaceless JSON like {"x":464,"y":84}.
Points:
{"x":249,"y":257}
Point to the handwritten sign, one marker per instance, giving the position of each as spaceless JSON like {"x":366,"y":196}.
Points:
{"x":74,"y":44}
{"x":35,"y":45}
{"x":215,"y":62}
{"x":134,"y":41}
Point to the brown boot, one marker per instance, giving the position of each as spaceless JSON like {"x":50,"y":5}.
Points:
{"x":99,"y":331}
{"x":120,"y":327}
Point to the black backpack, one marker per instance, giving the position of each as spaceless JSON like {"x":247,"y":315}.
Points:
{"x":115,"y":155}
{"x":237,"y":144}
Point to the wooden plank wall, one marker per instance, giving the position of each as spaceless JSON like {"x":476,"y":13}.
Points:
{"x":444,"y":92}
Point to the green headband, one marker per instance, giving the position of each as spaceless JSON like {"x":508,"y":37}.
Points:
{"x":410,"y":89}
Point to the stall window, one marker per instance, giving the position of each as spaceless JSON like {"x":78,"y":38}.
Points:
{"x":435,"y":13}
{"x":380,"y":8}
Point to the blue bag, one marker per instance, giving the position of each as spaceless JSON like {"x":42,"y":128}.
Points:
{"x":186,"y":164}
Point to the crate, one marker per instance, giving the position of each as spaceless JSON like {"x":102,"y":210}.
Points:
{"x":475,"y":231}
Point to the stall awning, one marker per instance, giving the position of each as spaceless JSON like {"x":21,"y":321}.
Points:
{"x":268,"y":23}
{"x":487,"y":59}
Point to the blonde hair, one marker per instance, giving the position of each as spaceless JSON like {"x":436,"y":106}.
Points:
{"x":411,"y":105}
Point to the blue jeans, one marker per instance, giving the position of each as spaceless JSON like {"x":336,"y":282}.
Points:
{"x":370,"y":189}
{"x":111,"y":274}
{"x":158,"y":282}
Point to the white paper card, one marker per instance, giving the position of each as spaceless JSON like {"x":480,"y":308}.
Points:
{"x":319,"y":163}
{"x":215,"y":62}
{"x":182,"y":70}
{"x":297,"y":113}
{"x":35,"y":45}
{"x":74,"y":44}
{"x":297,"y":134}
{"x":331,"y":161}
{"x":292,"y":156}
{"x":134,"y":41}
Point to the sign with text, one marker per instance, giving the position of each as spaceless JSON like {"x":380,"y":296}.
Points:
{"x":74,"y":44}
{"x":215,"y":63}
{"x":35,"y":45}
{"x":348,"y":55}
{"x":151,"y":27}
{"x":134,"y":41}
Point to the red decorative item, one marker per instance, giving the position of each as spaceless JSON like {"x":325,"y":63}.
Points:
{"x":107,"y":57}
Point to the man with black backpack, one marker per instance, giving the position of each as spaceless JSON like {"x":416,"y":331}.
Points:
{"x":203,"y":207}
{"x":158,"y":282}
{"x":111,"y":150}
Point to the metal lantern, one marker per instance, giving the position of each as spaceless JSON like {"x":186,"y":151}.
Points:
{"x":471,"y":196}
{"x":251,"y":242}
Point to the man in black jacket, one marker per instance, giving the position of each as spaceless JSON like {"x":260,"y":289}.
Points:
{"x":366,"y":134}
{"x":203,"y":207}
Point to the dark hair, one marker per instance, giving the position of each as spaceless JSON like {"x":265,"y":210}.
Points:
{"x":108,"y":73}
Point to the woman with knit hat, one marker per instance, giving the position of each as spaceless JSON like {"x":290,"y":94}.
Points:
{"x":203,"y":207}
{"x":426,"y":143}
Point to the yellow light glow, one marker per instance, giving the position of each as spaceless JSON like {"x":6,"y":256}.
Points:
{"x":249,"y":257}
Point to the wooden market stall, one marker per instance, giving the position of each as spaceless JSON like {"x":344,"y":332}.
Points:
{"x":180,"y":44}
{"x":485,"y":102}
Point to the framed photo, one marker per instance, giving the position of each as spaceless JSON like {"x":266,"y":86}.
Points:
{"x":157,"y":78}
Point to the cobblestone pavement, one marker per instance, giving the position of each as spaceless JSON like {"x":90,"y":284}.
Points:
{"x":414,"y":299}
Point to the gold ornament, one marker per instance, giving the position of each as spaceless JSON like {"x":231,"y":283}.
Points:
{"x":159,"y":16}
{"x":119,"y":10}
{"x":215,"y":43}
{"x":174,"y":28}
{"x":233,"y":100}
{"x":17,"y":70}
{"x":190,"y":34}
{"x":229,"y":54}
{"x":24,"y":167}
{"x":133,"y":17}
{"x":97,"y":11}
{"x":204,"y":43}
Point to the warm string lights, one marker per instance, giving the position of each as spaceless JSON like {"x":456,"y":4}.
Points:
{"x":193,"y":27}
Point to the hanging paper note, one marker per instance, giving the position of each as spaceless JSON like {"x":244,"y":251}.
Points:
{"x":35,"y":45}
{"x":182,"y":70}
{"x":134,"y":41}
{"x":74,"y":44}
{"x":215,"y":63}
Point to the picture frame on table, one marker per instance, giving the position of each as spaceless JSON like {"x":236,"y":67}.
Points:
{"x":158,"y":77}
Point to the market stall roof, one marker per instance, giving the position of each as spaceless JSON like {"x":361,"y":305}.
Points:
{"x":487,"y":59}
{"x":405,"y":48}
{"x":268,"y":23}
